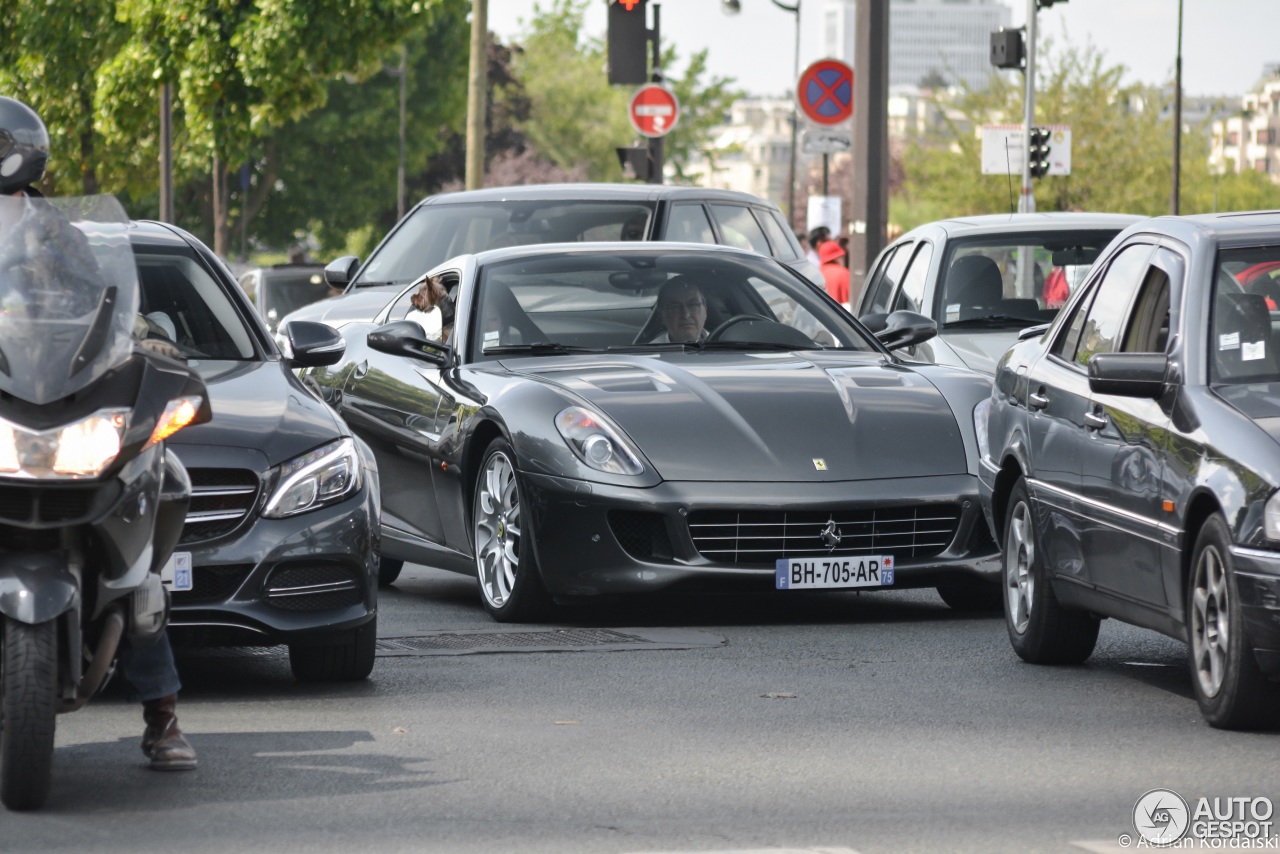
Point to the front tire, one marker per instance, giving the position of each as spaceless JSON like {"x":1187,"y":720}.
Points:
{"x":388,"y":570}
{"x":1040,"y":629}
{"x":1231,"y":690}
{"x":510,"y":584}
{"x":979,"y":597}
{"x":29,"y":682}
{"x":349,"y":660}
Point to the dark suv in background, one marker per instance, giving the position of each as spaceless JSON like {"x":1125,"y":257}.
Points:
{"x":450,"y":224}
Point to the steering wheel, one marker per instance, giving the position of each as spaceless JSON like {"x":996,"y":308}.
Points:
{"x":718,"y":333}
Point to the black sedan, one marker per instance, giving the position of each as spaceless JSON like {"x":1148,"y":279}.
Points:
{"x":567,"y":441}
{"x":1131,"y":465}
{"x":280,"y":539}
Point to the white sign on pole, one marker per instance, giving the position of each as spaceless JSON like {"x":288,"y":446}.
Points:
{"x":1004,"y":147}
{"x":824,"y":210}
{"x":826,"y":141}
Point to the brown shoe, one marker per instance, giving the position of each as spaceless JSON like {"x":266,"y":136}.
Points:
{"x":163,"y":742}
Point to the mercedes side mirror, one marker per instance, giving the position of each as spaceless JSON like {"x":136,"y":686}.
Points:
{"x":313,"y":345}
{"x":404,"y":338}
{"x":1128,"y":374}
{"x":339,"y":272}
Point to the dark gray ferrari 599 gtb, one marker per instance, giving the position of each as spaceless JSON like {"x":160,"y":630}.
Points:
{"x":587,"y":419}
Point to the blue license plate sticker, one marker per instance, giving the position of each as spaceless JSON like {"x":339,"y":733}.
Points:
{"x":833,"y":573}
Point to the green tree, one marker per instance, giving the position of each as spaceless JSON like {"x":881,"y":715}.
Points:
{"x":578,"y":119}
{"x":241,"y":68}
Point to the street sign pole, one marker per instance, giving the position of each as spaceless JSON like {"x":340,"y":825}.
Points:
{"x":1027,"y":204}
{"x":870,"y":211}
{"x":656,"y":152}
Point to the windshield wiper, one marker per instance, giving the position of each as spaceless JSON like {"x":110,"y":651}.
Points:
{"x":990,"y":320}
{"x":540,"y":348}
{"x":750,"y":345}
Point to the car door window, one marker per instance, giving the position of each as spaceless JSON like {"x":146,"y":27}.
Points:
{"x":782,"y":248}
{"x":886,"y":278}
{"x":1148,"y":328}
{"x":689,"y":224}
{"x":911,"y":296}
{"x":432,"y":320}
{"x":739,"y":228}
{"x":1103,"y":326}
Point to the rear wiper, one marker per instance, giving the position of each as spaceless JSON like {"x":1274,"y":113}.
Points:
{"x":993,"y":320}
{"x":540,"y":348}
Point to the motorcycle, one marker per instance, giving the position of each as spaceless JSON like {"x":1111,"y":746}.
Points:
{"x":91,"y":505}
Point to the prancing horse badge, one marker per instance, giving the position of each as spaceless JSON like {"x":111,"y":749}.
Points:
{"x":819,"y":464}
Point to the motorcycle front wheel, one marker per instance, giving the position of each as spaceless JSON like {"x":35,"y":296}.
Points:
{"x":28,"y":712}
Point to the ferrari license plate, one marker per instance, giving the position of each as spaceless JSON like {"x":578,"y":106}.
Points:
{"x":836,"y":572}
{"x":176,"y":574}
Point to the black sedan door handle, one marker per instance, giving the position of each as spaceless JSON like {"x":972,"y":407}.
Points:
{"x":1037,"y":400}
{"x":1095,"y":420}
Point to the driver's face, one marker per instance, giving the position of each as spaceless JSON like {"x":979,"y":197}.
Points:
{"x":684,"y":312}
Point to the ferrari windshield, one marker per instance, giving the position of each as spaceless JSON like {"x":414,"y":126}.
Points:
{"x":643,"y":300}
{"x":68,"y":294}
{"x":432,"y":234}
{"x":1018,"y":279}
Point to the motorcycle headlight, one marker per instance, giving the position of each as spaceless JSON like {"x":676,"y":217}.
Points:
{"x":1271,"y":517}
{"x":596,"y":442}
{"x":981,"y":415}
{"x":79,"y":450}
{"x":316,"y":479}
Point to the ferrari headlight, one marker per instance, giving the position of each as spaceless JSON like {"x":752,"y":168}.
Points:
{"x":1271,"y":517}
{"x":79,"y":450}
{"x":596,"y":442}
{"x":981,"y":416}
{"x":316,"y":479}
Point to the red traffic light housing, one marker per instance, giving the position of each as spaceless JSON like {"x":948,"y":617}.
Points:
{"x":628,"y":42}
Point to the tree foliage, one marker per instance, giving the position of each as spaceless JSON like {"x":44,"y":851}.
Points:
{"x":1121,"y":159}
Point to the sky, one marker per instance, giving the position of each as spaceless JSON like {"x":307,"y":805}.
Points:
{"x":1225,"y":43}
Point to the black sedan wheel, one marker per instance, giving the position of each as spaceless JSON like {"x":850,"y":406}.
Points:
{"x":1232,"y":692}
{"x":1040,"y":629}
{"x":388,"y":570}
{"x":510,"y":585}
{"x":348,"y":659}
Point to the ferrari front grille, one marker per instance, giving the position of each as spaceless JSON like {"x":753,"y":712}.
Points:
{"x":221,"y":500}
{"x":760,"y":537}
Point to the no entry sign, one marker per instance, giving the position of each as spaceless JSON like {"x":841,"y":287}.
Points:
{"x":825,"y":92}
{"x":654,"y":110}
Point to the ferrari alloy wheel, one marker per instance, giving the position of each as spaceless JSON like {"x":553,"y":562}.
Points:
{"x":1228,"y":685}
{"x":506,"y":569}
{"x":1041,"y":630}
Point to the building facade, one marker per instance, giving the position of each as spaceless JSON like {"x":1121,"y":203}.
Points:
{"x":1251,"y":139}
{"x":931,"y":42}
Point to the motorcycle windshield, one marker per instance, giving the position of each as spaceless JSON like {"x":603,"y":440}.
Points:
{"x":68,"y":294}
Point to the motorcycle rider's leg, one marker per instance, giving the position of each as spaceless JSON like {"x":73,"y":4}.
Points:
{"x":153,"y":679}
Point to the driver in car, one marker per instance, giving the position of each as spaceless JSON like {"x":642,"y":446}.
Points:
{"x":683,"y":309}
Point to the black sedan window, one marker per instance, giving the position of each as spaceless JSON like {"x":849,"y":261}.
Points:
{"x":648,"y":301}
{"x":186,"y":305}
{"x":432,"y":234}
{"x":1246,"y":310}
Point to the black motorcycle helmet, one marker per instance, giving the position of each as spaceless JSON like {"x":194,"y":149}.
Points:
{"x":24,"y":146}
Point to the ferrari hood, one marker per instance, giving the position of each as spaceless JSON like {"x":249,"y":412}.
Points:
{"x":357,"y":307}
{"x":772,"y":417}
{"x":260,"y":405}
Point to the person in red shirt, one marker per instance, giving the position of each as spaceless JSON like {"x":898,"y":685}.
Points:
{"x":834,"y":273}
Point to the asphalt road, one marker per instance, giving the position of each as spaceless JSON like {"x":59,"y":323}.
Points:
{"x":803,"y":722}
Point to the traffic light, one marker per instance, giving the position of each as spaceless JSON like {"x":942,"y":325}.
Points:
{"x":1038,"y":152}
{"x":628,"y":42}
{"x":1007,"y":48}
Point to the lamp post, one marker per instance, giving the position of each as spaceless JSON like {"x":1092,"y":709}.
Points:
{"x":1177,"y":125}
{"x":733,"y":7}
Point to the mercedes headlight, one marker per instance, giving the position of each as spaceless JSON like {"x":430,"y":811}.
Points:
{"x":981,"y":416}
{"x":316,"y":479}
{"x":1271,"y":517}
{"x":596,"y":442}
{"x":80,"y":450}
